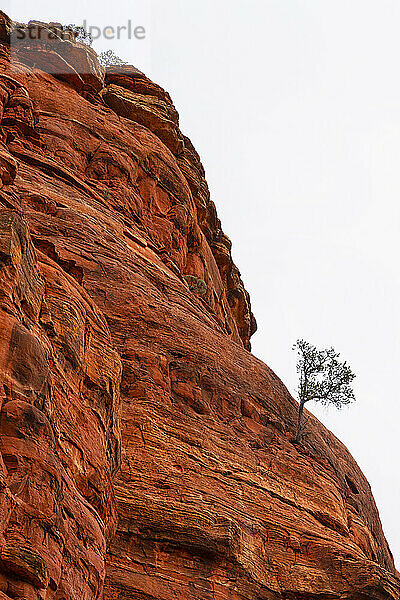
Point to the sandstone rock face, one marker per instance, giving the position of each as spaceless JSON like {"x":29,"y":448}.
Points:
{"x":145,"y":453}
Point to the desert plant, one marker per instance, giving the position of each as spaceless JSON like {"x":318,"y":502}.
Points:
{"x":323,"y":378}
{"x":108,"y":58}
{"x":81,"y":35}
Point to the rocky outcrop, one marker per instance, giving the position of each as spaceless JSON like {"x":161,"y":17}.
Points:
{"x":145,"y":453}
{"x":53,"y":48}
{"x":133,"y":96}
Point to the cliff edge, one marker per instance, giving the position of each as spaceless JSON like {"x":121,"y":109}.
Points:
{"x":145,"y":452}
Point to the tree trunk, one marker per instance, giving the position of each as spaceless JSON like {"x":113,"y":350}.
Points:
{"x":300,"y":423}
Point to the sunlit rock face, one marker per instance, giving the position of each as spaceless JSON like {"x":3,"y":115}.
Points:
{"x":145,"y":453}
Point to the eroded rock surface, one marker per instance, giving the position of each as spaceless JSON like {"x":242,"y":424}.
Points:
{"x":145,"y":453}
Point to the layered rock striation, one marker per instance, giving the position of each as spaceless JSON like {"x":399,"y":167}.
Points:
{"x":145,"y":452}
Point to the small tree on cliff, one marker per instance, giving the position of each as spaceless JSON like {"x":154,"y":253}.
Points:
{"x":322,"y":379}
{"x":81,"y":35}
{"x":108,"y":58}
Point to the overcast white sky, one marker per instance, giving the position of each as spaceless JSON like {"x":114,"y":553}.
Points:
{"x":294,"y":106}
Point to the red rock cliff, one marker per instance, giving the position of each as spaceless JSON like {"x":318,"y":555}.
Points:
{"x":145,"y":453}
